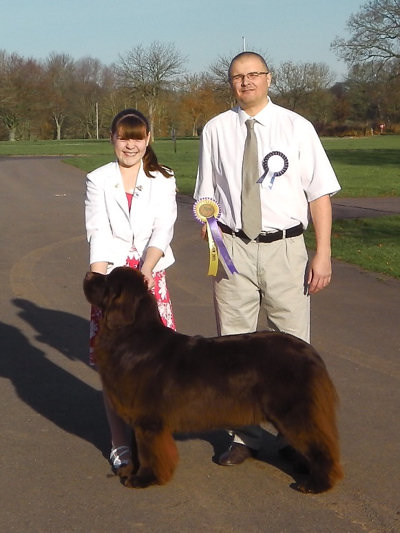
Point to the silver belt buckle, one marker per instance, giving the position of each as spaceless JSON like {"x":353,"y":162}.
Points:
{"x":269,"y":232}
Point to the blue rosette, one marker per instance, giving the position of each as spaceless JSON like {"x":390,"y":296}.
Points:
{"x":274,"y":164}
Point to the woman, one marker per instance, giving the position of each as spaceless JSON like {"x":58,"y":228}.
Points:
{"x":130,"y":211}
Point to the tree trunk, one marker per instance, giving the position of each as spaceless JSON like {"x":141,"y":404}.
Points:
{"x":59,"y":122}
{"x":151,"y":114}
{"x":12,"y":132}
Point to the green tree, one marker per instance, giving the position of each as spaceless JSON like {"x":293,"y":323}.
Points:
{"x":20,"y":93}
{"x":374,"y":95}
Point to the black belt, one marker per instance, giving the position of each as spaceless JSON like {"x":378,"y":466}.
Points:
{"x":295,"y":231}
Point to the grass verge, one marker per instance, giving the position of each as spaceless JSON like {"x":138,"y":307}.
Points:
{"x":371,"y":243}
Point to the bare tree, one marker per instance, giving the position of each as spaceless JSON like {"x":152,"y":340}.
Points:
{"x":219,"y":69}
{"x":93,"y":83}
{"x":60,"y":76}
{"x":147,"y":72}
{"x":199,"y":101}
{"x":374,"y":35}
{"x":219,"y":76}
{"x":295,"y":82}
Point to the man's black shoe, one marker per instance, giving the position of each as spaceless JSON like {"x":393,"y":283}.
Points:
{"x":236,"y":454}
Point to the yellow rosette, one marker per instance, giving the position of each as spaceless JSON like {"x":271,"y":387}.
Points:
{"x":206,"y":210}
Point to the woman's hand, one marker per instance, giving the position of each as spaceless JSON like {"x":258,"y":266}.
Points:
{"x":148,"y":276}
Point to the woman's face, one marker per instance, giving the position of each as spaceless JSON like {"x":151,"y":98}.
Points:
{"x":129,"y":152}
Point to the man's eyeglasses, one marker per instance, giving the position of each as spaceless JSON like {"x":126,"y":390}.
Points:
{"x":251,"y":76}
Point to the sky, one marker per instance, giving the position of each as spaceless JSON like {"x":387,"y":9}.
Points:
{"x":201,"y":30}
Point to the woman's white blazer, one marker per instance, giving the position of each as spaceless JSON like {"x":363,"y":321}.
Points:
{"x":112,"y":229}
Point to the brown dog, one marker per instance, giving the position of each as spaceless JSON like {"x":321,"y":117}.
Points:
{"x":161,"y":382}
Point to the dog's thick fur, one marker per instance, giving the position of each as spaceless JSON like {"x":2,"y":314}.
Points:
{"x":161,"y":382}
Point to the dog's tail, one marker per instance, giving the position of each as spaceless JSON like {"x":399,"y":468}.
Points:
{"x":323,"y":448}
{"x":311,"y":428}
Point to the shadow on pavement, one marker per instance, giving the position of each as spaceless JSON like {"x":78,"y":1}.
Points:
{"x":49,"y":390}
{"x":268,"y":454}
{"x":65,"y":332}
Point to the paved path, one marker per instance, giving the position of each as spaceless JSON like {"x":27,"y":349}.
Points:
{"x":54,"y":477}
{"x":365,"y":207}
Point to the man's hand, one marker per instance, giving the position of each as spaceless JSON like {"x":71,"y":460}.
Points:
{"x":320,"y":273}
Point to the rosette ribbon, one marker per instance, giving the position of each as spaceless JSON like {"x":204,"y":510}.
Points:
{"x":206,"y":210}
{"x":274,"y":164}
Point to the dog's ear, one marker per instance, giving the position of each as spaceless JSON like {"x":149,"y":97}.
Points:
{"x":94,"y":286}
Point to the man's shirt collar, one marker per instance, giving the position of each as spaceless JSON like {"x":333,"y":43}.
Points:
{"x":261,"y":117}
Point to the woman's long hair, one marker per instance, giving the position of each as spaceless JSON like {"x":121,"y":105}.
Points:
{"x":132,"y":124}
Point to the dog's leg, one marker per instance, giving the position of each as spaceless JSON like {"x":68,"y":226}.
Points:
{"x":157,"y":454}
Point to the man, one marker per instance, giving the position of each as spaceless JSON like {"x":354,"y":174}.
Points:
{"x":266,"y":174}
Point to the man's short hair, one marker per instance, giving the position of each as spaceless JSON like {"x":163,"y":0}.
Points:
{"x":246,"y":54}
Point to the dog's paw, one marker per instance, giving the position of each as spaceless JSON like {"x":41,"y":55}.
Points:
{"x":302,"y":487}
{"x":144,"y":478}
{"x":299,"y":463}
{"x":310,"y":486}
{"x":124,"y":471}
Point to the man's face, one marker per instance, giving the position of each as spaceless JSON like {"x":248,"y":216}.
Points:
{"x":251,"y":94}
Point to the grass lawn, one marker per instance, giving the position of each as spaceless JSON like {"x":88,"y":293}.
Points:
{"x":366,"y":167}
{"x":371,"y":243}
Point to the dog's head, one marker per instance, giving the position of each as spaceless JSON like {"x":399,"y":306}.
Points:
{"x":118,"y":294}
